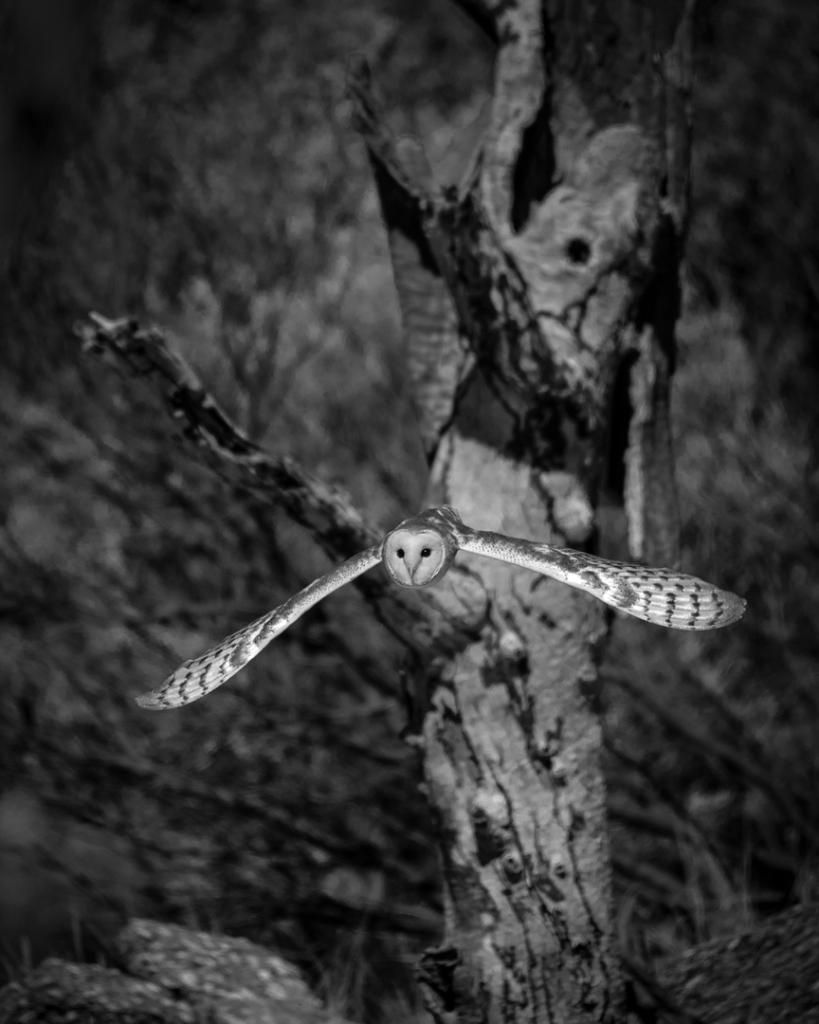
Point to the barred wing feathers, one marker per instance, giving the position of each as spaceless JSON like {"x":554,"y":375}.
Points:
{"x":197,"y":677}
{"x":662,"y":596}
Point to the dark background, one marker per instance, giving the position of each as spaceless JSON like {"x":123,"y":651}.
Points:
{"x":194,"y":163}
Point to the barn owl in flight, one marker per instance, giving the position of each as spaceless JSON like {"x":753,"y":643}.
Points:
{"x":420,"y":550}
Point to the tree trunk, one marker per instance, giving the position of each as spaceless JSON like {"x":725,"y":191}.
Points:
{"x":539,"y":302}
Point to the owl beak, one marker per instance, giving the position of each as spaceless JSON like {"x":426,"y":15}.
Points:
{"x":412,"y":565}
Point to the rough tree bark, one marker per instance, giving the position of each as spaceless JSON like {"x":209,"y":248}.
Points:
{"x":538,"y":303}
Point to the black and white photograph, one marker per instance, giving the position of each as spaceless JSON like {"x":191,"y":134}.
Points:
{"x":409,"y":486}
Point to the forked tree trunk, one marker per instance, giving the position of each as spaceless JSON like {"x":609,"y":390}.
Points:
{"x":539,"y":302}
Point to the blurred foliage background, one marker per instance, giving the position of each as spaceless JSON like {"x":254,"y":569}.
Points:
{"x":194,"y":163}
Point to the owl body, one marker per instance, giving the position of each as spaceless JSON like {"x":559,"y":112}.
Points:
{"x":420,"y":551}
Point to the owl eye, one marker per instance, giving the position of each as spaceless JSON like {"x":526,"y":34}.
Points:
{"x":400,"y":552}
{"x":425,"y":552}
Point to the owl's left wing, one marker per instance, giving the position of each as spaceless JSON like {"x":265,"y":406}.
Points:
{"x":197,"y":677}
{"x":661,"y":596}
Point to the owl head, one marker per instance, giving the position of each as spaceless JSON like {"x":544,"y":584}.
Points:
{"x":418,"y":551}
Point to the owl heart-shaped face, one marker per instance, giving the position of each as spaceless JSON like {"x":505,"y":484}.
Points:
{"x":415,"y":556}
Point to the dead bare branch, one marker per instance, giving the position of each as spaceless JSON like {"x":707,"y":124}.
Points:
{"x":326,"y":511}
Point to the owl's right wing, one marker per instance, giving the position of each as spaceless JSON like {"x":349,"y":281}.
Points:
{"x":662,"y":596}
{"x":199,"y":676}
